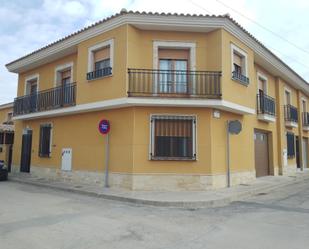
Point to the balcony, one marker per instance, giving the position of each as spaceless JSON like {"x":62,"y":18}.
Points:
{"x":50,"y":99}
{"x":305,"y":121}
{"x":241,"y":78}
{"x":174,"y":83}
{"x":290,"y":116}
{"x":99,"y":73}
{"x":266,"y":108}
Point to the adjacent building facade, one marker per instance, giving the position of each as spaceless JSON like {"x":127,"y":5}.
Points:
{"x":6,"y":134}
{"x":168,"y":84}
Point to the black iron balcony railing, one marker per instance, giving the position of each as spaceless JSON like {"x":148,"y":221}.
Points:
{"x":290,"y":113}
{"x":99,"y":73}
{"x":306,"y":119}
{"x":242,"y":78}
{"x":174,"y":83}
{"x":266,"y":105}
{"x":53,"y":98}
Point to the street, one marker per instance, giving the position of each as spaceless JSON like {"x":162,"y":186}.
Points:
{"x":40,"y":218}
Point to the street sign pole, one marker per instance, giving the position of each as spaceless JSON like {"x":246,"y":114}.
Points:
{"x":228,"y":174}
{"x":106,"y":159}
{"x":104,"y":129}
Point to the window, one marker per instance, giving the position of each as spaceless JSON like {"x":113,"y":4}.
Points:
{"x":1,"y":137}
{"x":290,"y":145}
{"x":66,"y":77}
{"x":287,"y":97}
{"x":100,"y":60}
{"x":173,"y":137}
{"x":9,"y":138}
{"x":31,"y":85}
{"x":239,"y":65}
{"x":45,"y":140}
{"x":64,"y":74}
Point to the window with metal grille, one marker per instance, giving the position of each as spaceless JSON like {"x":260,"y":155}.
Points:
{"x":173,"y":137}
{"x":45,"y":140}
{"x":290,"y":144}
{"x":1,"y":137}
{"x":9,"y":138}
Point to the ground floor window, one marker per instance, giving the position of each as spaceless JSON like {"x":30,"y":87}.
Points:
{"x":173,"y":137}
{"x":290,"y":145}
{"x":45,"y":140}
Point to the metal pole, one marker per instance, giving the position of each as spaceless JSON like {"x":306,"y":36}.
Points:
{"x":106,"y":159}
{"x":228,"y":173}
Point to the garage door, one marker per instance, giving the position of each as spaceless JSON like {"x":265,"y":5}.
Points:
{"x":261,"y":154}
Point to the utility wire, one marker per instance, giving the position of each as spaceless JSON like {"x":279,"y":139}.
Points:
{"x":264,"y":27}
{"x":291,"y":58}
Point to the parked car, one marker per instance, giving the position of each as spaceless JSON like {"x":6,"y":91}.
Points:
{"x":3,"y":171}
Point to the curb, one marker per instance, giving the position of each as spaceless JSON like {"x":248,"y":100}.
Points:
{"x":157,"y":203}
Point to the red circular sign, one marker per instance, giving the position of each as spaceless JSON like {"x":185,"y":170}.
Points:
{"x":104,"y":126}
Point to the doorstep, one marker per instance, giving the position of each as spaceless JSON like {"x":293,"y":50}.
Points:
{"x":181,"y":199}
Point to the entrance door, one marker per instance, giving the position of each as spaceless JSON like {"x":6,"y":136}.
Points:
{"x":66,"y":162}
{"x":305,"y":152}
{"x":25,"y":160}
{"x":261,"y":154}
{"x":297,"y":152}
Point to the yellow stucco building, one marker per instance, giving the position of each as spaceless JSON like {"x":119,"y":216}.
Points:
{"x":168,"y":84}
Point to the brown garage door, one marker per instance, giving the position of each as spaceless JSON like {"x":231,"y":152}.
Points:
{"x":261,"y":153}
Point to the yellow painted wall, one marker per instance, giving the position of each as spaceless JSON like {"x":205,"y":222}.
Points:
{"x":4,"y":113}
{"x":80,"y":132}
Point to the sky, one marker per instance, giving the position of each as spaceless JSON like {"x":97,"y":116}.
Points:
{"x":27,"y":25}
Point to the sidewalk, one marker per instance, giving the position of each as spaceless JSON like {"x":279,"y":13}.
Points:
{"x":181,"y":199}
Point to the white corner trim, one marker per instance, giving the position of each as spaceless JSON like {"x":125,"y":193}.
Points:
{"x":29,"y":78}
{"x":61,"y":68}
{"x":131,"y":101}
{"x":242,"y":53}
{"x":262,"y":76}
{"x":177,"y":45}
{"x":108,"y":43}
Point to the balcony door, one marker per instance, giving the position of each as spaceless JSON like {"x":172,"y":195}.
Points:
{"x":32,"y":91}
{"x":173,"y":71}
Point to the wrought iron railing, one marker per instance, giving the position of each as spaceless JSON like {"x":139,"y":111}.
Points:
{"x":99,"y":73}
{"x":266,"y":105}
{"x":49,"y":99}
{"x":240,"y":77}
{"x":290,"y":113}
{"x":174,"y":83}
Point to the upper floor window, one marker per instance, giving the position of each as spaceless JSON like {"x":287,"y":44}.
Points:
{"x":173,"y":70}
{"x":239,"y":65}
{"x":64,"y":74}
{"x":100,"y":60}
{"x":31,"y":85}
{"x":287,"y":94}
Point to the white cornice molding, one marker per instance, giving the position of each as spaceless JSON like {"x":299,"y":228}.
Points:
{"x":194,"y":24}
{"x":5,"y":106}
{"x":130,"y":102}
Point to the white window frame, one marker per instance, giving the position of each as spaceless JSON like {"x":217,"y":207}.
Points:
{"x":108,"y":43}
{"x":152,"y":134}
{"x":303,"y":99}
{"x":242,"y":53}
{"x":61,"y":68}
{"x":263,"y":77}
{"x":174,"y":45}
{"x":51,"y":137}
{"x":285,"y":100}
{"x":31,"y":78}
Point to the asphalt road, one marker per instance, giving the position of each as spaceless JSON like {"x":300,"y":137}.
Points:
{"x":39,"y":218}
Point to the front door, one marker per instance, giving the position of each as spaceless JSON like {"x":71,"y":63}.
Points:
{"x":305,"y":152}
{"x":26,"y":148}
{"x":261,"y":153}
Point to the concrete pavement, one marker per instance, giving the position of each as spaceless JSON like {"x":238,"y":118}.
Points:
{"x":43,"y":218}
{"x":196,"y":199}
